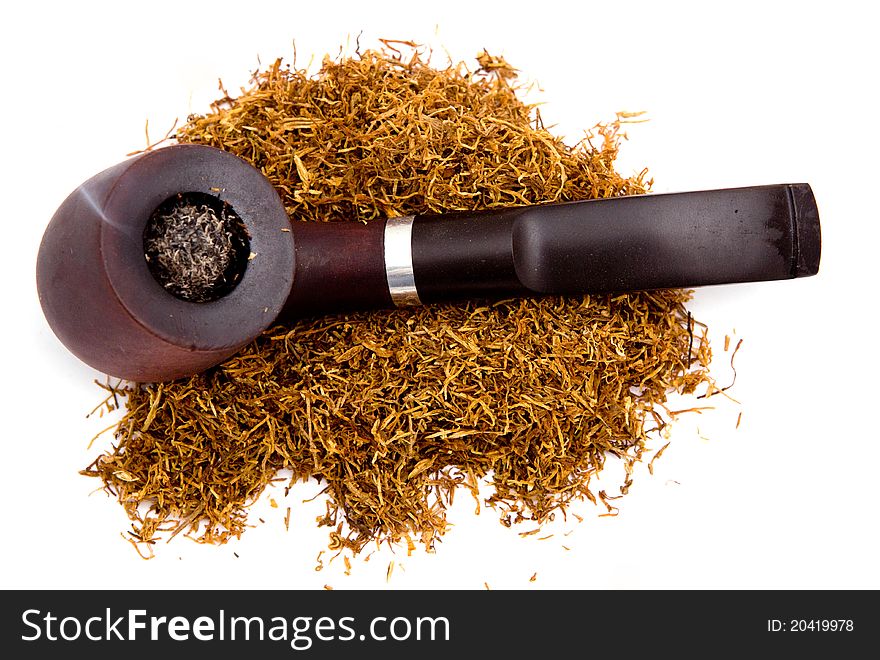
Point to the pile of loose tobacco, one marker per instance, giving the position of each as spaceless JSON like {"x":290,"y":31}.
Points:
{"x":393,"y":411}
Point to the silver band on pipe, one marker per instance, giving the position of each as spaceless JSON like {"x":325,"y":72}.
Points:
{"x":398,"y":261}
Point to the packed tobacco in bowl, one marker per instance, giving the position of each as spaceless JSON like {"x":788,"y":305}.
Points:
{"x":392,"y":412}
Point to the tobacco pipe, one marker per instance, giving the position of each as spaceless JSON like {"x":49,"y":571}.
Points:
{"x":108,"y":304}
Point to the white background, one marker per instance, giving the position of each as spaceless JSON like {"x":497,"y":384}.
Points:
{"x":741,"y":94}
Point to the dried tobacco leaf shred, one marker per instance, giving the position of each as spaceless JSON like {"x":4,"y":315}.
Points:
{"x":393,"y":411}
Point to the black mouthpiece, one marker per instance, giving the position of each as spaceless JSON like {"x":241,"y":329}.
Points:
{"x":656,"y":241}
